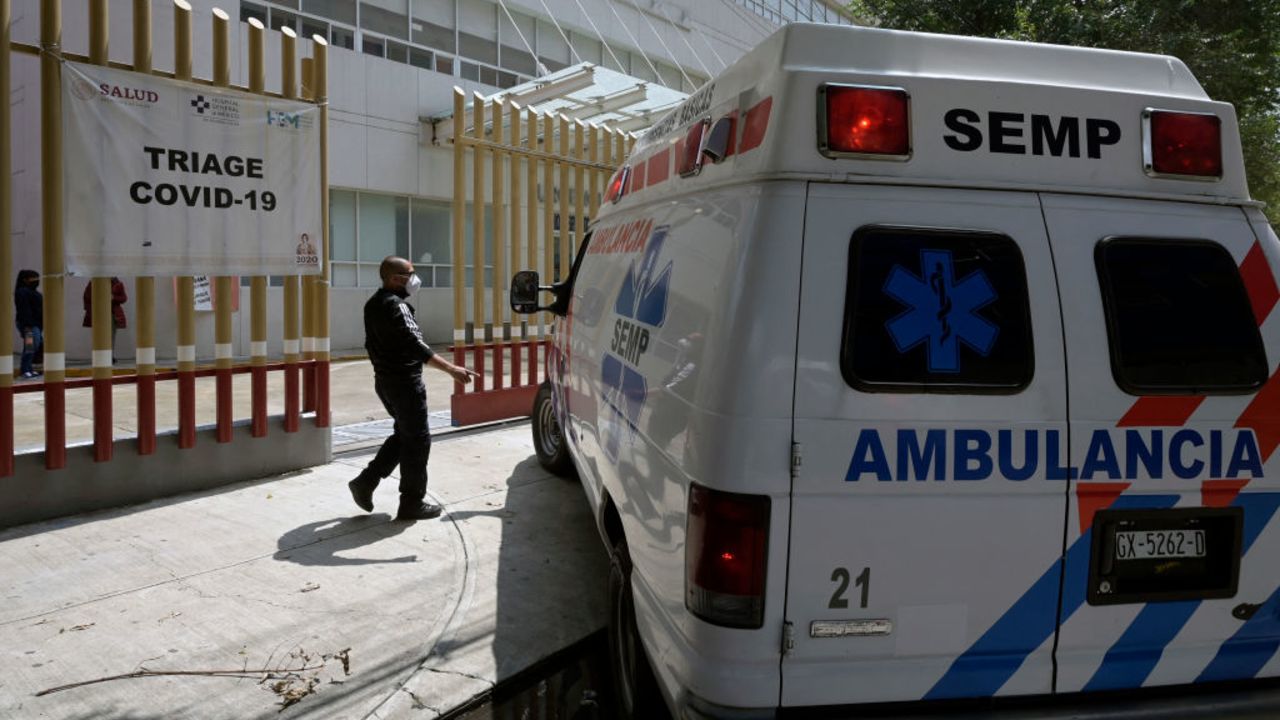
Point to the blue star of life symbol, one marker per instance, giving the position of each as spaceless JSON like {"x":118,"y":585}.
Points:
{"x":642,"y":298}
{"x":942,"y":311}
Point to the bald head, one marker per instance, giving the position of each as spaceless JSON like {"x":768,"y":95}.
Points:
{"x":393,"y":267}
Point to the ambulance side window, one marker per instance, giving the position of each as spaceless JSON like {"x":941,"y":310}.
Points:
{"x":930,"y":311}
{"x":1178,"y":318}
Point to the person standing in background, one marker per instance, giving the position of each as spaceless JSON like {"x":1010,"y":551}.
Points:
{"x":29,"y":304}
{"x":118,"y":298}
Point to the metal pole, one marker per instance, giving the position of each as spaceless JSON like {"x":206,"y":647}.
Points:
{"x":458,"y":222}
{"x":186,"y":285}
{"x":292,"y":410}
{"x":101,"y":320}
{"x":224,"y":286}
{"x":499,"y":248}
{"x":258,"y":284}
{"x":514,"y":330}
{"x":320,"y":90}
{"x":55,"y":357}
{"x":548,"y":210}
{"x":145,"y":287}
{"x":531,"y":245}
{"x":562,"y":269}
{"x":6,"y":247}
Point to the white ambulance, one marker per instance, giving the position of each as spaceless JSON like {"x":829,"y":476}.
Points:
{"x":919,"y":371}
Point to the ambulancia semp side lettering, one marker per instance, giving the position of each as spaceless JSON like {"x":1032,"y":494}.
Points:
{"x":942,"y":312}
{"x":641,"y":307}
{"x":976,"y":454}
{"x":1009,"y":132}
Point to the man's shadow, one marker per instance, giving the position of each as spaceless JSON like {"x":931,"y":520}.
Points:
{"x":318,"y":543}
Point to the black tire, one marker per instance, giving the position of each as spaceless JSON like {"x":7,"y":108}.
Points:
{"x":548,"y":442}
{"x":635,"y":690}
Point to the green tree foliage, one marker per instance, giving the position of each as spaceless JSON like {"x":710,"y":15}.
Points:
{"x":1232,"y":46}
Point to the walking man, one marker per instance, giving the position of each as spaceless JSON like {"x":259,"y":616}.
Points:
{"x":395,"y":346}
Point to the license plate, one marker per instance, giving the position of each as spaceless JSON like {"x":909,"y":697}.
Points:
{"x":1160,"y":544}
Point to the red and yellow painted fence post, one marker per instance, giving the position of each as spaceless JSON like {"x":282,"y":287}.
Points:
{"x":292,"y":409}
{"x":513,"y":331}
{"x":102,"y":320}
{"x":258,"y":284}
{"x":320,"y":94}
{"x":55,"y":354}
{"x":458,"y":254}
{"x":308,"y":283}
{"x":145,"y":287}
{"x":531,"y":247}
{"x":186,"y":292}
{"x":224,"y":286}
{"x":6,"y":247}
{"x":495,"y":333}
{"x":478,"y":333}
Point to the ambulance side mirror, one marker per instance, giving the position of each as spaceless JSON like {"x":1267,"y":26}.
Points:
{"x":524,"y":294}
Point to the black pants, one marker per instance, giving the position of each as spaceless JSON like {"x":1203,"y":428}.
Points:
{"x":409,"y":446}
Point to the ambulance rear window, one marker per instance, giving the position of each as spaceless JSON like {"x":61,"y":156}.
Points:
{"x":1178,"y":318}
{"x":933,"y":311}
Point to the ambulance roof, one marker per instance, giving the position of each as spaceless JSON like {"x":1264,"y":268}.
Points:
{"x":986,"y":113}
{"x":894,"y":52}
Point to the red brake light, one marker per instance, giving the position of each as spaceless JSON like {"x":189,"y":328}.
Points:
{"x":865,"y":121}
{"x":1184,"y":144}
{"x":691,"y":154}
{"x":617,"y":185}
{"x":726,"y":553}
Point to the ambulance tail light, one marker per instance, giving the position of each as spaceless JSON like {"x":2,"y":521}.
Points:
{"x":862,"y":121}
{"x":1182,"y":144}
{"x":726,"y":557}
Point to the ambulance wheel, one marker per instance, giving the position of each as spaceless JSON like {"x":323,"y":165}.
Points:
{"x":635,"y":691}
{"x":548,"y":442}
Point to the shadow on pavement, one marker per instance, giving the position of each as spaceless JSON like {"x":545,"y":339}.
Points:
{"x":318,"y":543}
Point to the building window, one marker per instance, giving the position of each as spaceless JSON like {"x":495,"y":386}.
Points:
{"x":936,"y":311}
{"x":421,"y":58}
{"x":281,"y":19}
{"x":374,"y":46}
{"x":250,"y":10}
{"x":314,"y":27}
{"x":1178,"y":318}
{"x":344,"y":11}
{"x":342,"y":37}
{"x":388,"y":17}
{"x":397,"y":51}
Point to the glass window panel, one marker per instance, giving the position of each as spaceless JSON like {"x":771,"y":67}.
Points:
{"x":420,"y":58}
{"x":344,"y":275}
{"x":507,"y":80}
{"x":518,"y":61}
{"x":553,"y":65}
{"x":432,"y":35}
{"x":551,"y":45}
{"x":438,"y":12}
{"x":389,"y":17}
{"x":250,"y":10}
{"x":444,"y":64}
{"x":342,"y":37}
{"x":314,"y":27}
{"x":1179,"y":319}
{"x":384,"y":227}
{"x":489,"y":76}
{"x":344,"y":11}
{"x":287,"y":3}
{"x":281,"y":19}
{"x":477,"y":48}
{"x":470,"y":71}
{"x":468,"y":256}
{"x":478,"y":18}
{"x":397,"y":51}
{"x":444,"y":276}
{"x":432,"y":232}
{"x":342,"y":224}
{"x":373,"y":45}
{"x":369,"y":276}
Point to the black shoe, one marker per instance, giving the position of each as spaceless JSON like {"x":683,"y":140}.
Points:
{"x":418,"y":511}
{"x":362,"y":494}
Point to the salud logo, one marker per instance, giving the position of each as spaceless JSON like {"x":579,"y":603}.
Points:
{"x":200,"y":104}
{"x":942,"y":311}
{"x":641,"y":306}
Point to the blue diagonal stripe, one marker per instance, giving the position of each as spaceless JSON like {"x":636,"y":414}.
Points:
{"x":1251,"y":648}
{"x":986,"y":666}
{"x":1135,"y":654}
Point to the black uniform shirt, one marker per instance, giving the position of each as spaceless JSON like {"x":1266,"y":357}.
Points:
{"x":392,"y":336}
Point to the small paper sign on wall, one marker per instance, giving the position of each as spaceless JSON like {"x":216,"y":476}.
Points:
{"x":165,"y":177}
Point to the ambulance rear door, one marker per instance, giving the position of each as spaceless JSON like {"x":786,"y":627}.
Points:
{"x":1172,"y":540}
{"x":930,"y":408}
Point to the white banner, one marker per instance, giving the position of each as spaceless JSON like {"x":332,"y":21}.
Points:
{"x":165,"y":177}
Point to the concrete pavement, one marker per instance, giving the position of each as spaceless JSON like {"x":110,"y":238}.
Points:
{"x":433,"y":612}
